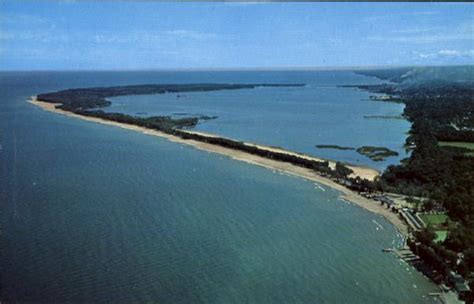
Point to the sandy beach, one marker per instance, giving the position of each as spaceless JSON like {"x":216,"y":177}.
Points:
{"x":288,"y":168}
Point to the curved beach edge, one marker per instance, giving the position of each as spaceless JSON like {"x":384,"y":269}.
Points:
{"x":288,"y":168}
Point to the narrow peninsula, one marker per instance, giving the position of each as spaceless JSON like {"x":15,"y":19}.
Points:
{"x":86,"y":104}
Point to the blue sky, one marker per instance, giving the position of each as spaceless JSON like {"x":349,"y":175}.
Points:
{"x":72,"y":35}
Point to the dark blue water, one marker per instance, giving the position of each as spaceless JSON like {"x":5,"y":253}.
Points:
{"x":93,"y":213}
{"x":297,"y":118}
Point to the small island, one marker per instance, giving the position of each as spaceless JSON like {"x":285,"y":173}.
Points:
{"x":376,"y":153}
{"x":334,"y":147}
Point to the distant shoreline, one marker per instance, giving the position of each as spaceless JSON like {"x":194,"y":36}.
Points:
{"x":288,"y":168}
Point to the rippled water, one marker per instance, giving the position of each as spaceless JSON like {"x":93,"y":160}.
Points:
{"x":93,"y":213}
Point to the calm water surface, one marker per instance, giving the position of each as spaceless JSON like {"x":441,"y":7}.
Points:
{"x":297,"y":118}
{"x":93,"y":213}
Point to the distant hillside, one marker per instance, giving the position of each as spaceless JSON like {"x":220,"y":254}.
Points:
{"x":423,"y":76}
{"x":390,"y":74}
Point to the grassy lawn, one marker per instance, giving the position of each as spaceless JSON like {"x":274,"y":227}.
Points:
{"x":458,"y":144}
{"x":440,"y":235}
{"x":434,"y":219}
{"x":440,"y":224}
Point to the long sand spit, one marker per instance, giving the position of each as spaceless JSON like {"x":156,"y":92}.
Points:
{"x":285,"y":167}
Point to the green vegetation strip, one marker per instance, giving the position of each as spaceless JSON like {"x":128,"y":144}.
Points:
{"x":86,"y":101}
{"x":434,"y":219}
{"x":334,"y":147}
{"x":457,"y":144}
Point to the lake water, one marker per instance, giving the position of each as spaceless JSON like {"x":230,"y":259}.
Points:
{"x":295,"y":118}
{"x":93,"y":213}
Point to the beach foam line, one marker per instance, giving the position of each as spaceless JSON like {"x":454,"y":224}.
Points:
{"x":377,"y":224}
{"x":317,"y":186}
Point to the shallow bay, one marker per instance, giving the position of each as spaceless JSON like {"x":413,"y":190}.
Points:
{"x":294,"y":118}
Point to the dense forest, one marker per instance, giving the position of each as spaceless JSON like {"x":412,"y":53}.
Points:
{"x":88,"y":98}
{"x":87,"y":101}
{"x":440,"y":110}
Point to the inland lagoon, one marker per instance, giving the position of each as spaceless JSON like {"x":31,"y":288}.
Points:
{"x":293,"y":118}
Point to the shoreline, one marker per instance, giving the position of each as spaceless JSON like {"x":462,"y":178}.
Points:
{"x":346,"y":194}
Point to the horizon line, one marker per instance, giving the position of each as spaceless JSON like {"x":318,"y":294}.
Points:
{"x":224,"y":69}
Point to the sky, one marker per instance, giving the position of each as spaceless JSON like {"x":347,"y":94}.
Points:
{"x":107,"y":35}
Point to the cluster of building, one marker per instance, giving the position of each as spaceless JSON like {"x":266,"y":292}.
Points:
{"x":382,"y":97}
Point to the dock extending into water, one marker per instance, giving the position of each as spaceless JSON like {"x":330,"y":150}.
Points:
{"x":407,"y":255}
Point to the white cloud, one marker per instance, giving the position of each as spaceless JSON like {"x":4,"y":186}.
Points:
{"x":385,"y":17}
{"x":461,"y":32}
{"x":446,"y":53}
{"x":47,"y":35}
{"x":22,"y":19}
{"x":449,"y":53}
{"x":189,"y":34}
{"x":43,"y":36}
{"x":178,"y":44}
{"x":456,"y":53}
{"x":422,"y":39}
{"x":424,"y":55}
{"x":422,"y":13}
{"x":415,"y":30}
